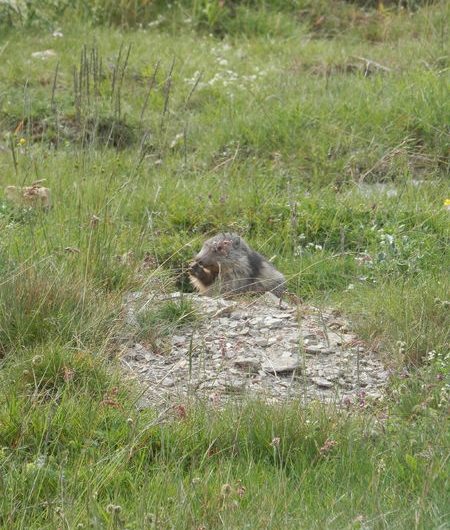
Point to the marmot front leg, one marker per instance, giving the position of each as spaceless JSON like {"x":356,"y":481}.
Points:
{"x":202,"y":278}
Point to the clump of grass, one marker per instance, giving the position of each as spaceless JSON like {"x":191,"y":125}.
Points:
{"x":406,"y":319}
{"x":109,"y":132}
{"x":45,"y":373}
{"x":156,"y":325}
{"x":12,"y":213}
{"x":175,"y":312}
{"x":40,"y":306}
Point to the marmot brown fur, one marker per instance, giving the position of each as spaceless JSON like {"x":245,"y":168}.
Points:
{"x":228,"y":262}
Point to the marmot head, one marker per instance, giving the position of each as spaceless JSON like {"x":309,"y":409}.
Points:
{"x":218,"y":250}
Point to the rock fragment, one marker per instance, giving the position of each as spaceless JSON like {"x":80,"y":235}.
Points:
{"x":281,"y":365}
{"x":45,"y":54}
{"x":34,"y":195}
{"x":316,"y":349}
{"x":250,"y":364}
{"x":322,"y":382}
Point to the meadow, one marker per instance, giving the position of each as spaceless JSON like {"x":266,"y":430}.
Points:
{"x":317,"y":130}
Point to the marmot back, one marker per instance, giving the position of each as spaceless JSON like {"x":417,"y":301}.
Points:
{"x":227,"y":260}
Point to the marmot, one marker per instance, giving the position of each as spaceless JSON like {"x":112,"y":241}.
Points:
{"x":228,"y":260}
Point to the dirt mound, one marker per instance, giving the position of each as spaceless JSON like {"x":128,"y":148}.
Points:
{"x":254,"y":348}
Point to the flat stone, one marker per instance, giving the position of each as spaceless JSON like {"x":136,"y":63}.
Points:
{"x":250,"y":364}
{"x":260,"y":341}
{"x":334,"y":339}
{"x":272,"y":323}
{"x":135,"y":356}
{"x":281,"y":365}
{"x":271,"y":300}
{"x":284,"y":316}
{"x":234,"y":388}
{"x":322,"y":382}
{"x":314,"y":349}
{"x":238,"y":315}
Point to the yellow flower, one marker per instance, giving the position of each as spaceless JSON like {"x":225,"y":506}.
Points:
{"x":22,"y":141}
{"x":30,"y":467}
{"x":447,"y":202}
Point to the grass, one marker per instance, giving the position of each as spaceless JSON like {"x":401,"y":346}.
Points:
{"x":319,"y":134}
{"x":155,"y":326}
{"x":78,"y":453}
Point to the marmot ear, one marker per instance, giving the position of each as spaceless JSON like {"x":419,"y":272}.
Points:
{"x":236,"y":241}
